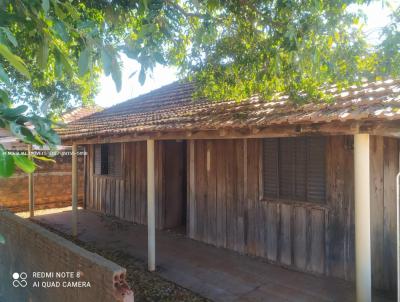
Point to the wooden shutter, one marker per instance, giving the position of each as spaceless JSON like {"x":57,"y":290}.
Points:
{"x":300,"y":166}
{"x":270,"y":167}
{"x":287,"y":147}
{"x":97,"y":159}
{"x":104,"y":159}
{"x":114,"y":159}
{"x":316,"y":178}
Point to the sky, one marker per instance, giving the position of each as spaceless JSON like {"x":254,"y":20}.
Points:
{"x":377,"y":17}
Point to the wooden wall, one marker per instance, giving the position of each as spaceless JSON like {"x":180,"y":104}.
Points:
{"x":126,"y":197}
{"x":384,"y":168}
{"x":225,"y":205}
{"x":226,"y":208}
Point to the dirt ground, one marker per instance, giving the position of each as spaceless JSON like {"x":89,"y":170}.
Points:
{"x":147,"y":286}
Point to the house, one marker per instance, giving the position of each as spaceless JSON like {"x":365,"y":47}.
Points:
{"x":310,"y":187}
{"x":52,"y":181}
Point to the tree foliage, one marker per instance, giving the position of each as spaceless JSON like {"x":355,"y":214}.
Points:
{"x":53,"y":51}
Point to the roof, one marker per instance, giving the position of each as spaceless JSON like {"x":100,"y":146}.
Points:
{"x":79,"y":112}
{"x":172,"y":108}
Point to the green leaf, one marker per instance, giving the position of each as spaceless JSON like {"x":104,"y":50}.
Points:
{"x":83,"y":62}
{"x":107,"y":61}
{"x":59,"y":28}
{"x":142,"y":76}
{"x":14,"y":112}
{"x":43,"y":158}
{"x":24,"y":163}
{"x":14,"y":60}
{"x":3,"y":76}
{"x":43,"y":53}
{"x":6,"y":164}
{"x":46,"y":6}
{"x":116,"y":76}
{"x":2,"y":239}
{"x":10,"y":36}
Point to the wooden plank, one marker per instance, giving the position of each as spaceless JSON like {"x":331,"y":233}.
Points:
{"x":143,"y":184}
{"x":212,"y":192}
{"x":300,"y":238}
{"x":349,"y":210}
{"x":192,"y":190}
{"x":221,"y":195}
{"x":391,"y":166}
{"x":272,"y":231}
{"x":285,"y":235}
{"x":335,"y":199}
{"x":317,"y":241}
{"x":230,"y":193}
{"x":252,"y":196}
{"x":240,"y":162}
{"x":138,"y":203}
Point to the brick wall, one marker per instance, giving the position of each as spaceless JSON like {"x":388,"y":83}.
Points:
{"x":30,"y":248}
{"x":52,"y":182}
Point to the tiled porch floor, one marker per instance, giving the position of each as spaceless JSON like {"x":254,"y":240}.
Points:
{"x":217,"y":274}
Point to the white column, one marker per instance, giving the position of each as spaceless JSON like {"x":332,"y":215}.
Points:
{"x":31,"y":187}
{"x":74,"y":213}
{"x":362,"y":217}
{"x":151,"y":227}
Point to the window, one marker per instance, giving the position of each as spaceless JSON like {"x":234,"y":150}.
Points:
{"x":294,"y":168}
{"x":107,"y":159}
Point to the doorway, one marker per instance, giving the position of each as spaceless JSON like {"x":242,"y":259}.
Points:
{"x":175,"y":185}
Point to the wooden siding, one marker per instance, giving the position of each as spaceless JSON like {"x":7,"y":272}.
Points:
{"x":126,"y":196}
{"x":227,"y":208}
{"x":384,"y":168}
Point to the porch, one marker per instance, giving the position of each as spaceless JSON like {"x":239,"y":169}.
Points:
{"x":215,"y":273}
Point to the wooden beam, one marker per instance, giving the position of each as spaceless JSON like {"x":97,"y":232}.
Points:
{"x":151,"y":214}
{"x":31,"y":187}
{"x":362,"y":217}
{"x":192,"y":190}
{"x":74,"y":213}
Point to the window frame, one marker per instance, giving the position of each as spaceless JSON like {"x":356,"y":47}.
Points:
{"x":323,"y":204}
{"x":112,"y":176}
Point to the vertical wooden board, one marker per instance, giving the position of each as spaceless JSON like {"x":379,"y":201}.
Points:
{"x":192,"y":190}
{"x":335,"y":172}
{"x":252,"y":195}
{"x":212,"y":192}
{"x":108,"y":196}
{"x":156,"y":184}
{"x":221,"y":195}
{"x":158,"y":163}
{"x":239,"y":198}
{"x":300,"y":238}
{"x":122,"y":197}
{"x":200,"y":189}
{"x":285,"y":235}
{"x":271,"y":240}
{"x":143,"y":183}
{"x":260,"y":229}
{"x":113,"y":199}
{"x":229,"y":155}
{"x":132,"y":183}
{"x":317,"y":241}
{"x":391,"y":167}
{"x":138,"y":173}
{"x":349,"y":209}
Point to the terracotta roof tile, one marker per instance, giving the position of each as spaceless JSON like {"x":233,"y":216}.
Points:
{"x":172,"y":108}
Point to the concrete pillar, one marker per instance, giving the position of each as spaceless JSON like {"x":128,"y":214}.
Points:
{"x":31,"y":187}
{"x":362,"y":217}
{"x":151,"y":216}
{"x":74,"y":190}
